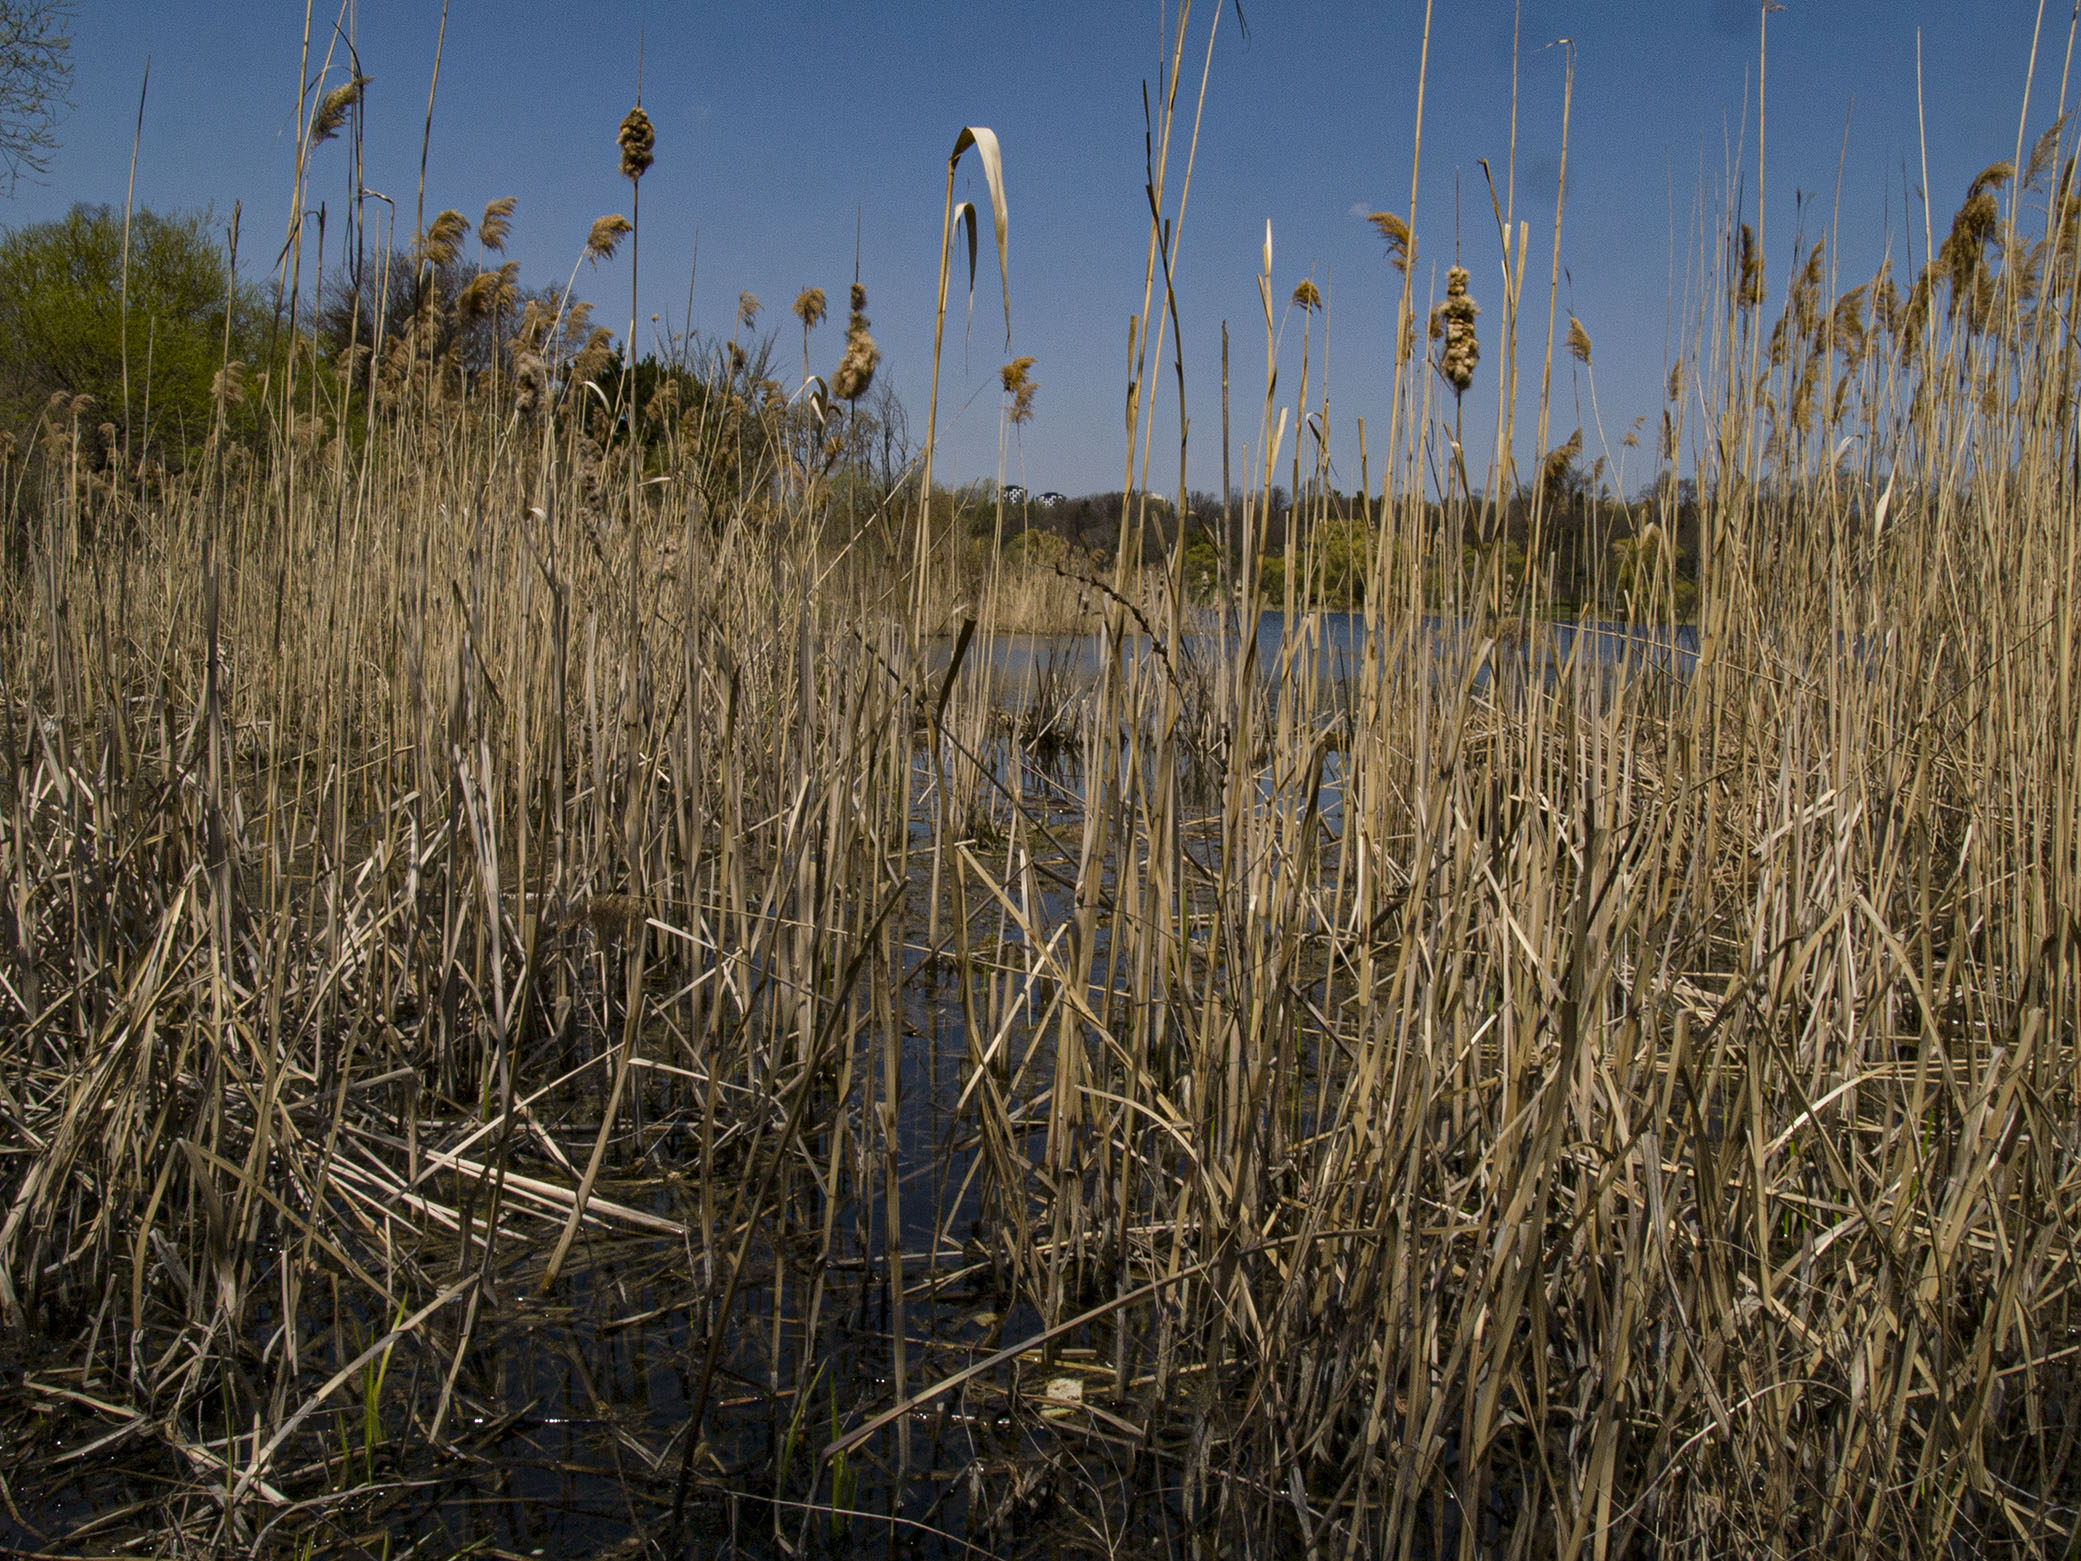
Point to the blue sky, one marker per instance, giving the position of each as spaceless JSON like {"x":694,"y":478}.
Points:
{"x":779,"y":128}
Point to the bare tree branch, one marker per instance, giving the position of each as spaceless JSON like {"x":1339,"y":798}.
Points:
{"x":35,"y":75}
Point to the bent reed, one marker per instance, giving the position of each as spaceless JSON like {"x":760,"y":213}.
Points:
{"x":540,"y":1008}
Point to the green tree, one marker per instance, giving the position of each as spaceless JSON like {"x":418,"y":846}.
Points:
{"x":35,"y":71}
{"x":61,"y":323}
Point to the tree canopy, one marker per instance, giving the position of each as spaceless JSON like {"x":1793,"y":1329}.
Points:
{"x":61,"y":320}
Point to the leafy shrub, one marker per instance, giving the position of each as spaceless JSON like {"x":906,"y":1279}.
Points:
{"x":62,"y":331}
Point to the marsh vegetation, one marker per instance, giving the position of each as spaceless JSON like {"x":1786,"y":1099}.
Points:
{"x":546,"y":1005}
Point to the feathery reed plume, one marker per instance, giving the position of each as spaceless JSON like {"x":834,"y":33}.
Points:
{"x":593,"y":359}
{"x":855,"y":371}
{"x":533,"y":328}
{"x":1804,"y":301}
{"x":1556,"y":464}
{"x":474,"y":300}
{"x":2044,"y":155}
{"x":1307,"y":296}
{"x":1846,"y":325}
{"x":1401,"y":248}
{"x":1962,"y":257}
{"x":443,"y":237}
{"x":333,"y":109}
{"x":606,"y":236}
{"x":1452,"y":323}
{"x":489,"y":291}
{"x":1885,"y":299}
{"x":809,"y":309}
{"x":1578,"y":342}
{"x":638,"y":142}
{"x":748,"y":309}
{"x":497,"y":223}
{"x":347,"y":365}
{"x":1021,"y":386}
{"x":228,"y":384}
{"x":1749,"y":286}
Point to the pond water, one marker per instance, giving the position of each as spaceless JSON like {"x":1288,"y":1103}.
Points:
{"x":1022,"y":663}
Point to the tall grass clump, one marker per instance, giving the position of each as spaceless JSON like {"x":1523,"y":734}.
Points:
{"x":549,"y":995}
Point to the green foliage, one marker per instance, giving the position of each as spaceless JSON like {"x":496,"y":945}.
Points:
{"x":1343,"y":552}
{"x":1037,"y":549}
{"x":1648,"y":579}
{"x":1203,"y":564}
{"x":1507,"y":558}
{"x":1338,"y":557}
{"x":61,"y":313}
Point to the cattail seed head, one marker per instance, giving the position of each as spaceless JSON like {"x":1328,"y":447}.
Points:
{"x":1452,"y":323}
{"x":855,"y":371}
{"x":638,"y":142}
{"x":530,"y":381}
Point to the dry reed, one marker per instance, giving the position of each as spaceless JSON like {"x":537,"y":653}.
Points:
{"x":482,"y":985}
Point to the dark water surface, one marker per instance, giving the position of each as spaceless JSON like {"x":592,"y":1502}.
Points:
{"x":1336,"y":642}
